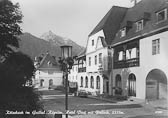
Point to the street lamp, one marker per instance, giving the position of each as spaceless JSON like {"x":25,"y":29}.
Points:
{"x":66,"y":63}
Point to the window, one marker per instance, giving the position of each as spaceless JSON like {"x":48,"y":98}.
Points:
{"x":92,"y":82}
{"x":86,"y":82}
{"x":96,"y":60}
{"x":161,"y":15}
{"x":41,"y":83}
{"x":89,"y":61}
{"x":155,"y":46}
{"x":50,"y":82}
{"x":81,"y":81}
{"x":123,"y":32}
{"x":139,"y":25}
{"x":100,"y":58}
{"x":121,"y":57}
{"x":93,"y":42}
{"x":98,"y":83}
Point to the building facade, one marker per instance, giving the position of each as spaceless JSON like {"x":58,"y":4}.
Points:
{"x":98,"y":52}
{"x":48,"y":74}
{"x":140,"y":46}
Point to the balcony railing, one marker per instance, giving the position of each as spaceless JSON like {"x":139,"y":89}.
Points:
{"x":82,"y":69}
{"x":126,"y":63}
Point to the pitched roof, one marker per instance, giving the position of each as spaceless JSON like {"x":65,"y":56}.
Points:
{"x":110,"y":23}
{"x":138,"y":12}
{"x":48,"y":62}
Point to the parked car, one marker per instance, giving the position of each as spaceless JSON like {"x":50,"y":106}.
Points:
{"x":82,"y":93}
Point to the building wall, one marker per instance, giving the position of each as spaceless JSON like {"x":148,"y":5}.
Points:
{"x":73,"y":75}
{"x":56,"y":76}
{"x":148,"y":62}
{"x":92,"y":70}
{"x":93,"y":67}
{"x":94,"y":37}
{"x":94,"y":90}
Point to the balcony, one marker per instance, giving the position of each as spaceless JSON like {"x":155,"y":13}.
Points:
{"x":126,"y":63}
{"x":80,"y":70}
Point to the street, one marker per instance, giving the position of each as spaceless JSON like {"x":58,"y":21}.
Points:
{"x":88,"y":107}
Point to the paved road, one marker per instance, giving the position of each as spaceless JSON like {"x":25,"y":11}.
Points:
{"x":93,"y":108}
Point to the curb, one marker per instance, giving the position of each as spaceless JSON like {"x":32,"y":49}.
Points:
{"x":124,"y":102}
{"x":103,"y":99}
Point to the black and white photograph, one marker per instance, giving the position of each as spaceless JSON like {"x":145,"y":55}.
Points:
{"x":83,"y":58}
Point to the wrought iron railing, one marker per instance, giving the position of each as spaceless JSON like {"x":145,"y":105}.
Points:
{"x":126,"y":63}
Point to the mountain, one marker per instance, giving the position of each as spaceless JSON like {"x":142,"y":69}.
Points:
{"x":58,"y":40}
{"x":34,"y":46}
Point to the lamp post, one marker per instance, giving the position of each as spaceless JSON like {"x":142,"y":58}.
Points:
{"x":66,"y":63}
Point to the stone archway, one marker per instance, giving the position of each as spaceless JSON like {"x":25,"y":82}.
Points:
{"x":156,"y":85}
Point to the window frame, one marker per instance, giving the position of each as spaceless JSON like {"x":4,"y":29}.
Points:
{"x":139,"y":25}
{"x":156,"y":46}
{"x":123,"y":32}
{"x":159,"y":12}
{"x":86,"y":82}
{"x":81,"y":82}
{"x":100,"y":58}
{"x":95,"y":59}
{"x":92,"y":42}
{"x":92,"y":82}
{"x":89,"y":61}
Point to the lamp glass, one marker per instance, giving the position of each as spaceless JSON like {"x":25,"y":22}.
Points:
{"x":66,"y":51}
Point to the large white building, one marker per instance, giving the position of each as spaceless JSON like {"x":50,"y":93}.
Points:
{"x":140,"y":51}
{"x":127,"y":51}
{"x":98,"y":53}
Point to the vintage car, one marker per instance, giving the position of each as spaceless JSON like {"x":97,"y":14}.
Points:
{"x":82,"y":93}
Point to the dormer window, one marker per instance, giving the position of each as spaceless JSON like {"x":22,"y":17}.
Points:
{"x":139,"y":25}
{"x":123,"y":32}
{"x":161,"y":15}
{"x":92,"y":42}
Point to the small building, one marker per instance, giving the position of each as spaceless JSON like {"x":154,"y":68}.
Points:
{"x":48,"y":73}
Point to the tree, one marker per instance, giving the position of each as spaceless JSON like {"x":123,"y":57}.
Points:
{"x":15,"y":72}
{"x":10,"y":18}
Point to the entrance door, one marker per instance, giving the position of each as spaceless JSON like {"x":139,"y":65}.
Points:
{"x":107,"y":87}
{"x":151,"y":89}
{"x":132,"y":85}
{"x":156,"y":85}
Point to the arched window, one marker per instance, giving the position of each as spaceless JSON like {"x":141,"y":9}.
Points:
{"x":41,"y":82}
{"x":92,"y":82}
{"x":50,"y":82}
{"x":81,"y":81}
{"x":86,"y":82}
{"x":132,"y":85}
{"x":98,"y":82}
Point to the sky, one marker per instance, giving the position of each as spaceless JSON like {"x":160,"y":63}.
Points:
{"x":73,"y":19}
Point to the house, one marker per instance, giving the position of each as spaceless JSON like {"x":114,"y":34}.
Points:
{"x":48,"y":73}
{"x":98,"y":52}
{"x":82,"y":75}
{"x":73,"y":75}
{"x":140,"y":48}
